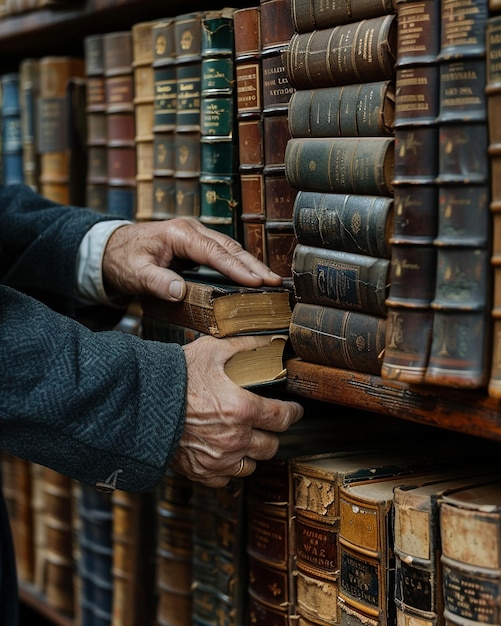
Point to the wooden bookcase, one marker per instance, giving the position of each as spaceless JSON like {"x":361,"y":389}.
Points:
{"x":61,"y":31}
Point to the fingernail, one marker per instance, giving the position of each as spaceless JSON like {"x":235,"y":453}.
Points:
{"x":176,"y":289}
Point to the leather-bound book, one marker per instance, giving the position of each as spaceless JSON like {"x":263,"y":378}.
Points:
{"x":493,"y":95}
{"x":97,"y":160}
{"x":220,"y":203}
{"x":417,"y":546}
{"x":187,"y":46}
{"x":339,"y":338}
{"x":469,"y":532}
{"x":359,"y":165}
{"x":120,"y":122}
{"x":144,"y":95}
{"x":349,"y":222}
{"x":61,"y":129}
{"x":249,"y":103}
{"x":347,"y":280}
{"x":29,"y":85}
{"x":461,"y":304}
{"x":12,"y":145}
{"x":164,"y":119}
{"x":359,"y":109}
{"x":276,"y":32}
{"x":416,"y":195}
{"x":309,"y":15}
{"x":175,"y":555}
{"x":134,"y":545}
{"x":337,"y":55}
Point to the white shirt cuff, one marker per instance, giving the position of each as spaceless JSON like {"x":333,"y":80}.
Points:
{"x":90,"y":285}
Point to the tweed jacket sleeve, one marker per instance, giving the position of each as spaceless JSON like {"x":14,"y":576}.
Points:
{"x":99,"y":406}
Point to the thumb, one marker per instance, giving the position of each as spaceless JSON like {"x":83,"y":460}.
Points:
{"x":166,"y":284}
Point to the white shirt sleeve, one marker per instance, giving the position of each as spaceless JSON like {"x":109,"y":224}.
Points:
{"x":90,"y":285}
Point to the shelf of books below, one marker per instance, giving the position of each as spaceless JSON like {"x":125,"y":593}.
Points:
{"x":471,"y":412}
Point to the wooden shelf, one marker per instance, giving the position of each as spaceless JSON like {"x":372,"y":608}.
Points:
{"x":35,"y":600}
{"x":468,"y":412}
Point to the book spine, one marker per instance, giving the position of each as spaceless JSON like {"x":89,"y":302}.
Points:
{"x":338,"y":56}
{"x":339,"y":338}
{"x":361,"y":109}
{"x":187,"y":45}
{"x":416,"y":195}
{"x":121,"y":148}
{"x":493,"y":97}
{"x":29,"y":90}
{"x":220,"y":203}
{"x":458,"y":353}
{"x":249,"y":105}
{"x":341,"y":279}
{"x":164,"y":119}
{"x":142,"y":60}
{"x":352,"y":223}
{"x":12,"y":143}
{"x":309,"y":15}
{"x":97,"y":160}
{"x":341,"y":165}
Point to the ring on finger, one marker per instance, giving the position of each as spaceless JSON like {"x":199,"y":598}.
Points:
{"x":246,"y":467}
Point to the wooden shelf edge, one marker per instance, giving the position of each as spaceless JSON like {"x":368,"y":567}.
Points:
{"x":35,"y":600}
{"x":468,"y":412}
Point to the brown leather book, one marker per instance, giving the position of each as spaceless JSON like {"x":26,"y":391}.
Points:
{"x":345,"y":339}
{"x":61,"y":136}
{"x":309,"y":15}
{"x":144,"y":95}
{"x":336,"y":56}
{"x":29,"y":85}
{"x":120,"y":122}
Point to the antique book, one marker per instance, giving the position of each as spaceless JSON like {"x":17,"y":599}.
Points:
{"x":220,"y":203}
{"x":187,"y":49}
{"x":134,"y":548}
{"x":346,"y":280}
{"x":11,"y":143}
{"x":310,"y":15}
{"x":349,"y":222}
{"x":120,"y":124}
{"x":61,"y":129}
{"x":469,"y":532}
{"x":95,"y":548}
{"x":461,"y":302}
{"x":416,"y":195}
{"x":174,"y":548}
{"x":222,"y":310}
{"x":29,"y":85}
{"x":164,"y":119}
{"x":354,"y":110}
{"x":96,"y":195}
{"x":493,"y":97}
{"x":339,"y":338}
{"x":276,"y":32}
{"x":367,"y":567}
{"x":359,"y":165}
{"x":144,"y":95}
{"x":418,"y":571}
{"x":343,"y":54}
{"x":317,"y":481}
{"x":249,"y":104}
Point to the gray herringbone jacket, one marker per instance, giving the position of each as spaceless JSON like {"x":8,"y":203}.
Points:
{"x":94,"y":405}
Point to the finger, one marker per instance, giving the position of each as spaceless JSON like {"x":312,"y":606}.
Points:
{"x":245,"y":468}
{"x":275,"y":415}
{"x":164,"y":283}
{"x":263,"y":445}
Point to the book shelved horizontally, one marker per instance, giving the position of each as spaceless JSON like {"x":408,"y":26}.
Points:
{"x":49,"y":32}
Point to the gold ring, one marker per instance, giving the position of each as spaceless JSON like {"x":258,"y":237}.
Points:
{"x":246,"y":467}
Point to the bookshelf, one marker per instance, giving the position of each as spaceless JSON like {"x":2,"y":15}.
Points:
{"x":473,"y":413}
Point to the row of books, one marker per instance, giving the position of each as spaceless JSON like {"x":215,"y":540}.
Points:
{"x":325,"y":534}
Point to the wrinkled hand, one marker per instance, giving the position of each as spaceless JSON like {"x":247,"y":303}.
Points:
{"x":139,"y":258}
{"x":225,"y":423}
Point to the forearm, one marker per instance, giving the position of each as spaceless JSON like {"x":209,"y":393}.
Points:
{"x":87,"y":404}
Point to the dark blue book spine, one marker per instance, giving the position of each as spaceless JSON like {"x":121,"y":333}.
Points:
{"x":12,"y":146}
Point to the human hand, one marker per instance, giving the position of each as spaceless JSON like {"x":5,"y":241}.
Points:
{"x":141,"y":258}
{"x":225,"y":423}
